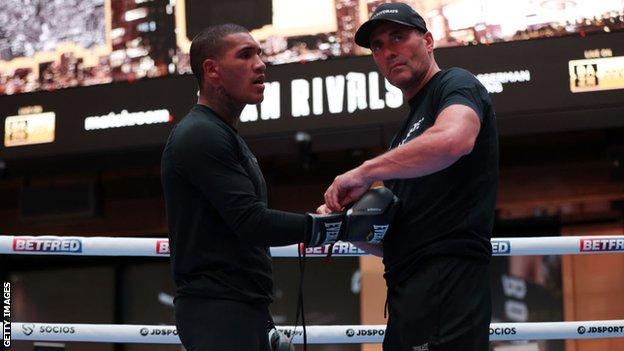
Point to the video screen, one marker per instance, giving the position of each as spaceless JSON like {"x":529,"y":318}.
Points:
{"x":47,"y":45}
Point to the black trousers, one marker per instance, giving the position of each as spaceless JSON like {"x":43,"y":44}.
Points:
{"x":221,"y":325}
{"x":444,"y":306}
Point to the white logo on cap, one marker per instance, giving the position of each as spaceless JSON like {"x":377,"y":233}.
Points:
{"x":384,"y":12}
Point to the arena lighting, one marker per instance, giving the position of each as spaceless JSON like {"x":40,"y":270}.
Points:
{"x":558,"y":4}
{"x":304,"y":144}
{"x":303,"y":138}
{"x":135,"y":14}
{"x":117,"y":33}
{"x":165,"y":299}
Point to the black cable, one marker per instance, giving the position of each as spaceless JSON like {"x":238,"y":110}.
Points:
{"x":301,"y":255}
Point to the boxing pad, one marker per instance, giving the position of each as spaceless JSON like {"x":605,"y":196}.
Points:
{"x":370,"y":218}
{"x":279,"y":341}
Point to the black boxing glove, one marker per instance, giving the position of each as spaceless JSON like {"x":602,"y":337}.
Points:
{"x":370,"y":218}
{"x":323,"y":229}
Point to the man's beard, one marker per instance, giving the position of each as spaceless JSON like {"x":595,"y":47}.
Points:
{"x":415,"y":79}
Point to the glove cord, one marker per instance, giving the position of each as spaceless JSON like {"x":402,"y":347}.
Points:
{"x":301,"y":256}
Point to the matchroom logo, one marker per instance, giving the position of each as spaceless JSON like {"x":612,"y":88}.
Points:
{"x":602,"y":244}
{"x":127,"y":119}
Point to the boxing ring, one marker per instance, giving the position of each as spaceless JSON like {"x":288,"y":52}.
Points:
{"x":330,"y":334}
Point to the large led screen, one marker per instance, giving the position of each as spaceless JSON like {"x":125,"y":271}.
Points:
{"x":50,"y":45}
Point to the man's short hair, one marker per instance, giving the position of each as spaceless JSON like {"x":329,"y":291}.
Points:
{"x":209,"y":43}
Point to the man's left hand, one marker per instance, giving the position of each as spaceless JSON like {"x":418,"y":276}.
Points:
{"x":346,"y":188}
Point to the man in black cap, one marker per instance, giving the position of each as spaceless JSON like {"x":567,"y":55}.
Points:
{"x":443,"y":165}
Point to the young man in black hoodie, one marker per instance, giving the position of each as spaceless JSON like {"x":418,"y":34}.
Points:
{"x":220,"y":228}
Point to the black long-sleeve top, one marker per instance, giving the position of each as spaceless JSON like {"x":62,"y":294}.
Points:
{"x":219,"y":224}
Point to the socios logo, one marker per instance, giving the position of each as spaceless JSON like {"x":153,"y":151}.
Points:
{"x":57,"y":329}
{"x":28,"y":329}
{"x":581,"y":330}
{"x":144,"y":331}
{"x":350,"y":333}
{"x":503,"y":331}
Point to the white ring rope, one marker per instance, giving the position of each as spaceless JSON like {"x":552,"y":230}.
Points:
{"x":350,"y":334}
{"x":113,"y":246}
{"x":331,"y":334}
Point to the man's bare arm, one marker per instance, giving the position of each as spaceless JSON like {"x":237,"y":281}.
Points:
{"x":452,"y":136}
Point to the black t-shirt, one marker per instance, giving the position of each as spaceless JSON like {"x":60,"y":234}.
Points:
{"x":219,"y":224}
{"x":450,"y":212}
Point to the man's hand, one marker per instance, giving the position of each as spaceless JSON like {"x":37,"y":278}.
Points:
{"x":323,"y":209}
{"x":346,"y":188}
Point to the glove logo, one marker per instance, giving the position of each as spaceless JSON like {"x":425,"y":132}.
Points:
{"x":379,"y":233}
{"x":581,"y":330}
{"x":333,"y":230}
{"x":350,"y":333}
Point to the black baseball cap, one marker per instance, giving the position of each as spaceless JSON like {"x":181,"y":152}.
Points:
{"x":392,"y":12}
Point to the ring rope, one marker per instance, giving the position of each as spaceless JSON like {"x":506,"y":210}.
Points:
{"x":113,"y":246}
{"x":353,"y":334}
{"x":320,"y":334}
